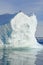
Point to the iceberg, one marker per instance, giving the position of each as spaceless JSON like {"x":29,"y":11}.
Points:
{"x":19,"y":32}
{"x":23,"y":31}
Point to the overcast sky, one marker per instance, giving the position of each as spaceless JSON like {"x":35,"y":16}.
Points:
{"x":28,"y":7}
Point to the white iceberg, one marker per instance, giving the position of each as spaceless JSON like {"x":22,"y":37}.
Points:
{"x":23,"y":31}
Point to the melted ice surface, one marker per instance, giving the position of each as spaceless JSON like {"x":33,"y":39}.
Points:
{"x":23,"y":31}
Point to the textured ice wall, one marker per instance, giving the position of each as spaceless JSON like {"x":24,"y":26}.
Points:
{"x":1,"y":43}
{"x":23,"y":31}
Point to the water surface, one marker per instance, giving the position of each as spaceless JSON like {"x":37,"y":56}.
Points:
{"x":21,"y":57}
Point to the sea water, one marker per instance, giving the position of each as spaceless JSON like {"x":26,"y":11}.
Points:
{"x":27,"y":56}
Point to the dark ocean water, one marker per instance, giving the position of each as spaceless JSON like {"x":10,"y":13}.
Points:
{"x":40,"y":40}
{"x":26,"y":56}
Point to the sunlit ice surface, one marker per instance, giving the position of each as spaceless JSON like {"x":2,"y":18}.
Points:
{"x":23,"y":31}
